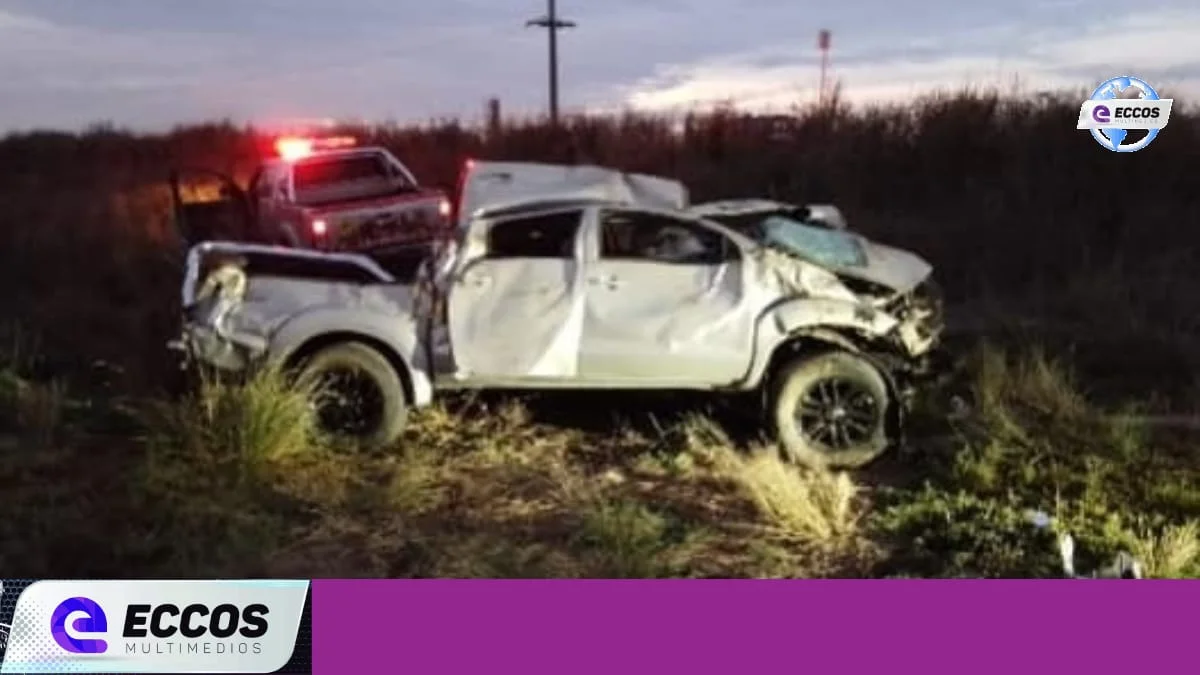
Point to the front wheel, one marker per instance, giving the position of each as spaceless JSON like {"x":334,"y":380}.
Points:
{"x":356,"y":393}
{"x":831,"y":410}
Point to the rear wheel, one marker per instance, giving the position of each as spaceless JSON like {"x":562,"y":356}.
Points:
{"x":357,"y":393}
{"x":831,"y":410}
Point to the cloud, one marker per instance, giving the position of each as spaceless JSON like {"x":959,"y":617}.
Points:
{"x":153,"y":63}
{"x":1159,"y":46}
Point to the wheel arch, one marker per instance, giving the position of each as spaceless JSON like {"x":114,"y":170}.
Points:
{"x":309,"y":347}
{"x":818,"y":340}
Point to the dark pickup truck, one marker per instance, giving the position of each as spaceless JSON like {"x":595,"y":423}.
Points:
{"x":325,"y":196}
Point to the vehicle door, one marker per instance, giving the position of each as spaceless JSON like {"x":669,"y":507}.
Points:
{"x":289,"y":217}
{"x":256,"y":192}
{"x":666,"y":301}
{"x":268,"y":191}
{"x":515,"y":306}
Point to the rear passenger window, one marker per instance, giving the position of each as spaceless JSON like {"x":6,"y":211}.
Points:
{"x":652,"y":237}
{"x":543,"y":236}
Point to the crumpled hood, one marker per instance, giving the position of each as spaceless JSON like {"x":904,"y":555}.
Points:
{"x":893,"y":267}
{"x":896,"y":269}
{"x":789,"y":274}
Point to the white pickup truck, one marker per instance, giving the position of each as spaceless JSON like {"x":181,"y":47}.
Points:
{"x":577,"y":277}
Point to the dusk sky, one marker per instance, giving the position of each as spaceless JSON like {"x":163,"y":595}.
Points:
{"x":148,"y":64}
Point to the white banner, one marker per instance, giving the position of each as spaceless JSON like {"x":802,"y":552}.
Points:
{"x":1124,"y":114}
{"x":209,"y":626}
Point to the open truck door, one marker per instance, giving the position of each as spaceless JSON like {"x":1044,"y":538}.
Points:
{"x":230,"y":216}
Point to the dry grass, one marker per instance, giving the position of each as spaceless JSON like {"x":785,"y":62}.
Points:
{"x":812,"y":505}
{"x":1172,"y":553}
{"x":233,"y":480}
{"x":263,"y":419}
{"x":36,"y":408}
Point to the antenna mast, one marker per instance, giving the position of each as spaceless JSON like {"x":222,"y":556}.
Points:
{"x":823,"y":41}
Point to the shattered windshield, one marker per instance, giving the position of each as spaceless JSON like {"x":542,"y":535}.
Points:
{"x":835,"y":248}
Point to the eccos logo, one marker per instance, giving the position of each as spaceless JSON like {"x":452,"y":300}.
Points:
{"x":223,"y":621}
{"x":84,"y":616}
{"x":1103,"y":114}
{"x":87,"y":621}
{"x":1124,"y":114}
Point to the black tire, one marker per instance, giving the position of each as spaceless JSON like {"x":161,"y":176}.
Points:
{"x":838,"y":434}
{"x":357,"y":392}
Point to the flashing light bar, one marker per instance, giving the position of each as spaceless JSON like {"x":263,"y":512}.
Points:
{"x":292,"y":148}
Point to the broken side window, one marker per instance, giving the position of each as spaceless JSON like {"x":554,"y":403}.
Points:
{"x":549,"y":235}
{"x":638,"y":235}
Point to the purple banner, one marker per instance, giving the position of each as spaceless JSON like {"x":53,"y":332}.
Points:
{"x":427,"y":627}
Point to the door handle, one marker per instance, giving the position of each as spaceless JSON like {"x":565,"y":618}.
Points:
{"x":608,"y":281}
{"x":474,"y":281}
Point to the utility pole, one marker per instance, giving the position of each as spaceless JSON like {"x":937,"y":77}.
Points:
{"x":552,"y":24}
{"x":493,"y":118}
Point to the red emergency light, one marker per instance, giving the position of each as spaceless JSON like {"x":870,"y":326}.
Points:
{"x":292,"y":148}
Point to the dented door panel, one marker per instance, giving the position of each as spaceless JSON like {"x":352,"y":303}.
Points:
{"x":666,"y":323}
{"x":514,"y":308}
{"x":516,"y":318}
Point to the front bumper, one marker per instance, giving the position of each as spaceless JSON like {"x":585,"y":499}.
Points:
{"x":921,"y":313}
{"x":917,"y":358}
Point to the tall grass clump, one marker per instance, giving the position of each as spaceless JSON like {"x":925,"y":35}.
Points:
{"x":1172,"y":553}
{"x":264,"y":418}
{"x":216,"y":469}
{"x":814,"y":512}
{"x":810,"y":504}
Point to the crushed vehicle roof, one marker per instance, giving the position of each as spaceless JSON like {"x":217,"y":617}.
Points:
{"x":828,"y":214}
{"x":495,"y":185}
{"x":539,"y":204}
{"x":734,"y":207}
